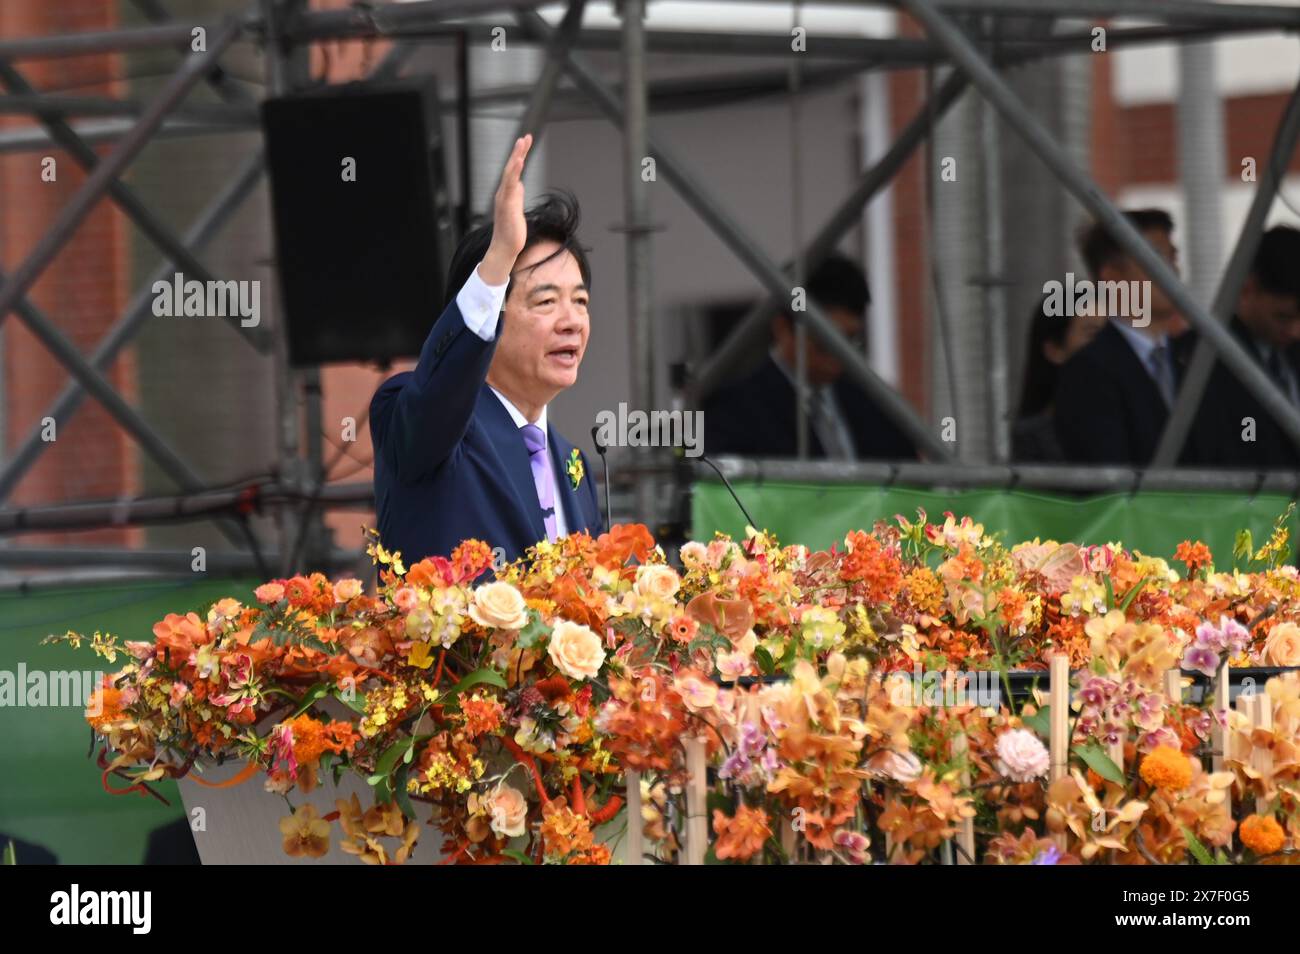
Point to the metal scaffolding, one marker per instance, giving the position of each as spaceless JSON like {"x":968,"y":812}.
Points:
{"x":972,"y":37}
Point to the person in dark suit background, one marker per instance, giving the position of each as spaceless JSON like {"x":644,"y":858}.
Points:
{"x":1114,"y":395}
{"x":462,"y":444}
{"x":1266,"y":322}
{"x":1053,"y":340}
{"x":757,"y":417}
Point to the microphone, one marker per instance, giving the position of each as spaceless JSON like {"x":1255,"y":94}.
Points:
{"x":732,"y":490}
{"x":600,"y":449}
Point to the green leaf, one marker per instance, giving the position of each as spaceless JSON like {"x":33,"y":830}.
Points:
{"x":1197,"y":849}
{"x":318,"y":691}
{"x":766,"y":664}
{"x":356,"y":704}
{"x":1131,"y":595}
{"x":381,"y":780}
{"x":1095,"y":757}
{"x":11,"y":854}
{"x":518,"y":855}
{"x":533,"y":631}
{"x":400,"y":793}
{"x":486,"y":674}
{"x":1040,"y":721}
{"x":1243,"y":546}
{"x":1110,"y":594}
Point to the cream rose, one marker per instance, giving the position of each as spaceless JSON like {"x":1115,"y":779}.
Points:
{"x":575,"y":650}
{"x":1282,"y":648}
{"x":345,"y":590}
{"x":507,"y":811}
{"x":498,"y":605}
{"x":657,"y":581}
{"x":693,"y":555}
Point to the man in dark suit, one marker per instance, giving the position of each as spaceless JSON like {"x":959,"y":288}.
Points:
{"x":757,"y":416}
{"x":1231,"y":424}
{"x":462,"y":445}
{"x":1113,"y":396}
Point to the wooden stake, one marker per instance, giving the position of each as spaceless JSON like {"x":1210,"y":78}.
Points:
{"x":1059,"y":734}
{"x":1219,"y":733}
{"x":1258,"y":710}
{"x":1174,"y":686}
{"x":635,"y":824}
{"x":966,"y":834}
{"x":697,"y":791}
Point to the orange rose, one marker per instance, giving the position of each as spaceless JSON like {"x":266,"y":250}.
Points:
{"x":507,"y":811}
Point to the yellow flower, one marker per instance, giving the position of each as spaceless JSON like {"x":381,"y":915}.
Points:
{"x":419,"y":655}
{"x":305,"y":833}
{"x":574,"y":468}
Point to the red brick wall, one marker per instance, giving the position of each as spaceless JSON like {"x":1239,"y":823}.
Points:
{"x":82,"y":292}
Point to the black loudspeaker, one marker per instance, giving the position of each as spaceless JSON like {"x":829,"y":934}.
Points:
{"x":363,"y":222}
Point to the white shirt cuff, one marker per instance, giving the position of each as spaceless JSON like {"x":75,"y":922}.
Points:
{"x":480,"y":305}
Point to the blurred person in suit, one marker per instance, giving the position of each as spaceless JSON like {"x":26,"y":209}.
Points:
{"x":756,"y":416}
{"x":1231,"y":425}
{"x":462,"y":444}
{"x":1113,"y":396}
{"x":1053,"y":340}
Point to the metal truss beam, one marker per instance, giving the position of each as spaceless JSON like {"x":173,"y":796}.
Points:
{"x":1018,"y":116}
{"x":846,"y":216}
{"x":1193,"y":385}
{"x":97,"y":182}
{"x":204,"y":229}
{"x":891,"y":402}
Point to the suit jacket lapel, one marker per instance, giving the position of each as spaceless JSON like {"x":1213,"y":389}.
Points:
{"x":509,"y":445}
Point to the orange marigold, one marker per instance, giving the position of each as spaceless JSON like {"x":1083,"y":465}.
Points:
{"x":923,"y":590}
{"x":1166,"y":767}
{"x":1262,"y":834}
{"x":741,"y":837}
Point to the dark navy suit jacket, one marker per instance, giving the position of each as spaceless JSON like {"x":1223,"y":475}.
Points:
{"x":450,"y":463}
{"x":1108,"y":408}
{"x":756,"y":417}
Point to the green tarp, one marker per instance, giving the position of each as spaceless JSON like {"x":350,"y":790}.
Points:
{"x":1153,"y":522}
{"x":50,"y":792}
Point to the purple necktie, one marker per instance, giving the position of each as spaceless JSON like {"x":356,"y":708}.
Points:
{"x":540,"y":461}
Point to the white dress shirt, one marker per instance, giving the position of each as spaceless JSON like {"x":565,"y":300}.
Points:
{"x":480,"y":308}
{"x":1144,"y":346}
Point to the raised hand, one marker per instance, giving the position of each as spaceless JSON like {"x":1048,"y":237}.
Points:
{"x":509,"y":230}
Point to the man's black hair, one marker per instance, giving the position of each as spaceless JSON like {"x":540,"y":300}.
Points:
{"x":839,"y":282}
{"x":1099,"y":248}
{"x":1276,"y":266}
{"x":553,"y":218}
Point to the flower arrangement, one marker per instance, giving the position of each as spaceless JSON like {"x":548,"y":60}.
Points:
{"x":517,"y":702}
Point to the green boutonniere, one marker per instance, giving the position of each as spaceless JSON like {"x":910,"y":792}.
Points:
{"x":574,"y":469}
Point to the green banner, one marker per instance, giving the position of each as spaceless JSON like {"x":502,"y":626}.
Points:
{"x":1153,"y":522}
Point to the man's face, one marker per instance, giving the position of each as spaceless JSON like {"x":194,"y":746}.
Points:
{"x":1272,"y":318}
{"x":823,"y":367}
{"x":1163,"y":313}
{"x":545,"y":326}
